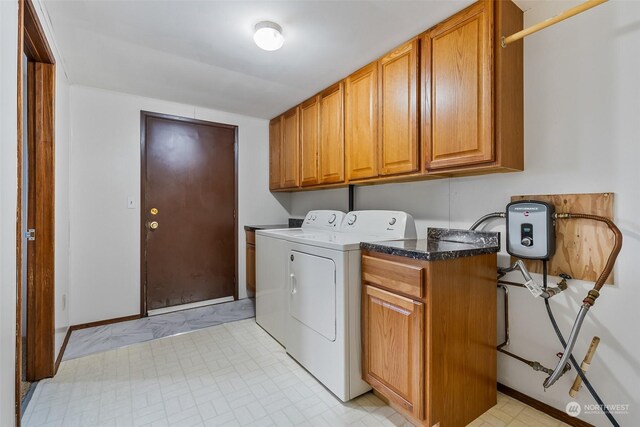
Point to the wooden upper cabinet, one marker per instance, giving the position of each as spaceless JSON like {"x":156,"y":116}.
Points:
{"x":331,"y":148}
{"x":449,"y":102}
{"x":393,"y":341}
{"x":458,"y":122}
{"x":290,"y":149}
{"x":309,"y":140}
{"x":399,"y":141}
{"x":275,"y":151}
{"x":361,"y":123}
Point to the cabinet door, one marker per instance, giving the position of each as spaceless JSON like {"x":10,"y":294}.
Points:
{"x":331,"y":150}
{"x":458,"y":78}
{"x":290,"y":149}
{"x":393,"y":347}
{"x":399,"y":148}
{"x":361,"y":123}
{"x":275,"y":151}
{"x":309,"y":139}
{"x":251,"y":268}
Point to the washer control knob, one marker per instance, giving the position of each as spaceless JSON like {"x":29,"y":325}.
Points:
{"x":527,"y":241}
{"x":393,"y":221}
{"x":332,"y":218}
{"x":352,"y":219}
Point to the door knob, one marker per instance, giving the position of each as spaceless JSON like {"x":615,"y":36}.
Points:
{"x":153,"y":225}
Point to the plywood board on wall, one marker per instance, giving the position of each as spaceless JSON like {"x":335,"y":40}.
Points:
{"x":582,"y":245}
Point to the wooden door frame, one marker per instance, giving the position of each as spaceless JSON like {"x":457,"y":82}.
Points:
{"x":143,"y":202}
{"x":41,"y":258}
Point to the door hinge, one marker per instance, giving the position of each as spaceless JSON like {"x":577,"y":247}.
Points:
{"x":30,"y":234}
{"x":234,"y":214}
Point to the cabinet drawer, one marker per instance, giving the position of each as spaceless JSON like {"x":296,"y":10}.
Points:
{"x":404,"y":278}
{"x":251,"y":237}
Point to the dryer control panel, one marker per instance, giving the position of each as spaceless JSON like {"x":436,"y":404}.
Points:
{"x":389,"y":224}
{"x":323,"y":220}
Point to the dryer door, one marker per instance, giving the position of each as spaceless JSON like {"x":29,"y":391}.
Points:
{"x":312,"y":292}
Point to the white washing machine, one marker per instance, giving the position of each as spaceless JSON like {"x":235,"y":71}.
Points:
{"x":322,"y":286}
{"x":271,"y":268}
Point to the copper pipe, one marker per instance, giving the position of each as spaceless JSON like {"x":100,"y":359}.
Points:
{"x":534,"y":364}
{"x":594,"y":293}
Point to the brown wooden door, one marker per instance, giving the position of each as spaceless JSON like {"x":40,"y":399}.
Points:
{"x":309,"y":140}
{"x":399,"y":147}
{"x":290,"y":149}
{"x":189,"y":176}
{"x":361,"y":123}
{"x":40,"y":217}
{"x":331,"y":149}
{"x":275,"y":153}
{"x":393,"y":344}
{"x":458,"y":66}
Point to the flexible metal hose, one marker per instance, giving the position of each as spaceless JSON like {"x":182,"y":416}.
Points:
{"x":573,"y":336}
{"x":486,"y":218}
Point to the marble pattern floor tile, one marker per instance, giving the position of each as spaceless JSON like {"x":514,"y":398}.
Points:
{"x":89,"y":341}
{"x":232,"y":374}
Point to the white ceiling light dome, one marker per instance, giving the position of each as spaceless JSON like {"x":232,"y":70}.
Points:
{"x":268,"y":35}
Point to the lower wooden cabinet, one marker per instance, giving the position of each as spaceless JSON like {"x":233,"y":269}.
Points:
{"x":429,"y":335}
{"x":251,"y":262}
{"x":393,"y":339}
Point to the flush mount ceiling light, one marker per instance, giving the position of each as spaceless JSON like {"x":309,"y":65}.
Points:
{"x":268,"y":35}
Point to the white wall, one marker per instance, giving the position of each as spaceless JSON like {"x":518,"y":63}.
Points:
{"x":8,"y":199}
{"x":582,"y":99}
{"x":105,"y":169}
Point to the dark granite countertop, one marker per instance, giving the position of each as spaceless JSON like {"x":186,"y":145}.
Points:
{"x":293,"y":223}
{"x":264,"y":227}
{"x":440,"y":244}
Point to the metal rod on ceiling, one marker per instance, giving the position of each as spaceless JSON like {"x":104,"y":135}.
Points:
{"x":547,"y":23}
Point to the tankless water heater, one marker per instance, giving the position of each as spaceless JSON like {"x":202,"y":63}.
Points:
{"x":531,"y":229}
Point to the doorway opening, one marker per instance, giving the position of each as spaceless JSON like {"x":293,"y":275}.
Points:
{"x":188,"y":221}
{"x":35,"y":358}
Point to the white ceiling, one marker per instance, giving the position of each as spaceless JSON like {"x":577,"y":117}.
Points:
{"x":202,"y":52}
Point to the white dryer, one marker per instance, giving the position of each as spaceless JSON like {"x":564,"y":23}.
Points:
{"x":271,"y":268}
{"x":322,"y":329}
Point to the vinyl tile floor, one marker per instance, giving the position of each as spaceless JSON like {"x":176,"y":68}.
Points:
{"x":233,"y":374}
{"x":84,"y":342}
